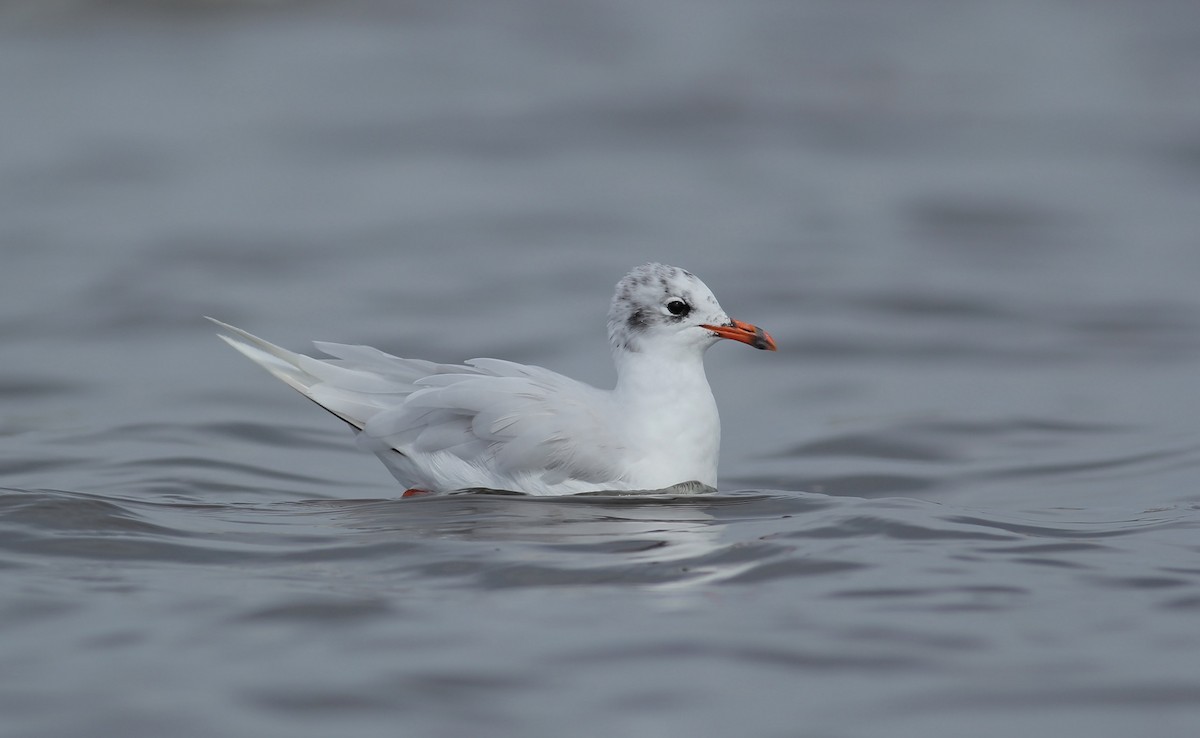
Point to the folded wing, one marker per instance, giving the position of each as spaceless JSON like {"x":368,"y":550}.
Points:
{"x":498,"y":418}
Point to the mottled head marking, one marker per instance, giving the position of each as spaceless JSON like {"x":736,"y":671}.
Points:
{"x":637,"y":321}
{"x":639,"y":305}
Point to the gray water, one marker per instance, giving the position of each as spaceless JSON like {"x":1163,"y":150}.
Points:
{"x":962,"y":500}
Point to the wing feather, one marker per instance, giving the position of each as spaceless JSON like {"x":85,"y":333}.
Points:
{"x":526,"y":420}
{"x":499,"y":421}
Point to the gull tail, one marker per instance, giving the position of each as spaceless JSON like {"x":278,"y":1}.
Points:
{"x":301,"y":373}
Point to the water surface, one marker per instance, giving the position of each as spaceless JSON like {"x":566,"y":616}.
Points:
{"x":962,"y":499}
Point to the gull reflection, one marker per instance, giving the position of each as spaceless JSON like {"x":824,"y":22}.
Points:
{"x":660,"y":540}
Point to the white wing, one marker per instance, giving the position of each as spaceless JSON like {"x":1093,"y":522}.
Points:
{"x":515,"y":420}
{"x":488,"y":423}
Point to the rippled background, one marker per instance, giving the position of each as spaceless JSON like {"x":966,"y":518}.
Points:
{"x":962,"y":500}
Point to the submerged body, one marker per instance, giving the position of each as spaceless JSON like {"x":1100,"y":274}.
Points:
{"x":500,"y":425}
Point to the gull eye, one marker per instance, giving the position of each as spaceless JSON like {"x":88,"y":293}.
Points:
{"x":678,"y":307}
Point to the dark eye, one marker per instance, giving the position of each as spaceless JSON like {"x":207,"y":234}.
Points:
{"x":678,"y":307}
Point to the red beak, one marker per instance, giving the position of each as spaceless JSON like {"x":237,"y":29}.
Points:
{"x":744,"y":332}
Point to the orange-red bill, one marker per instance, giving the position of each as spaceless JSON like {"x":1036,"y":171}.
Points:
{"x":745,"y":333}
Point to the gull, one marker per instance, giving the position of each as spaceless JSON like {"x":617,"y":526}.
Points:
{"x":499,"y":425}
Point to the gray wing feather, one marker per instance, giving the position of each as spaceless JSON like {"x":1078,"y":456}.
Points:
{"x":510,"y":418}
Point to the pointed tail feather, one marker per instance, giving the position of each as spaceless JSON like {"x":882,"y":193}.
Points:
{"x":301,"y":373}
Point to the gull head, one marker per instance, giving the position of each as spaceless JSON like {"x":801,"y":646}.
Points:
{"x":665,"y":310}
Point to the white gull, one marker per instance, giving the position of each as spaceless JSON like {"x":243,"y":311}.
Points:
{"x":499,"y":425}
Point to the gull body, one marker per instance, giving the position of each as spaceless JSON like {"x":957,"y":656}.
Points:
{"x":496,"y":424}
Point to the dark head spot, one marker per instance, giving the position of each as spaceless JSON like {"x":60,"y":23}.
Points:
{"x":637,"y":321}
